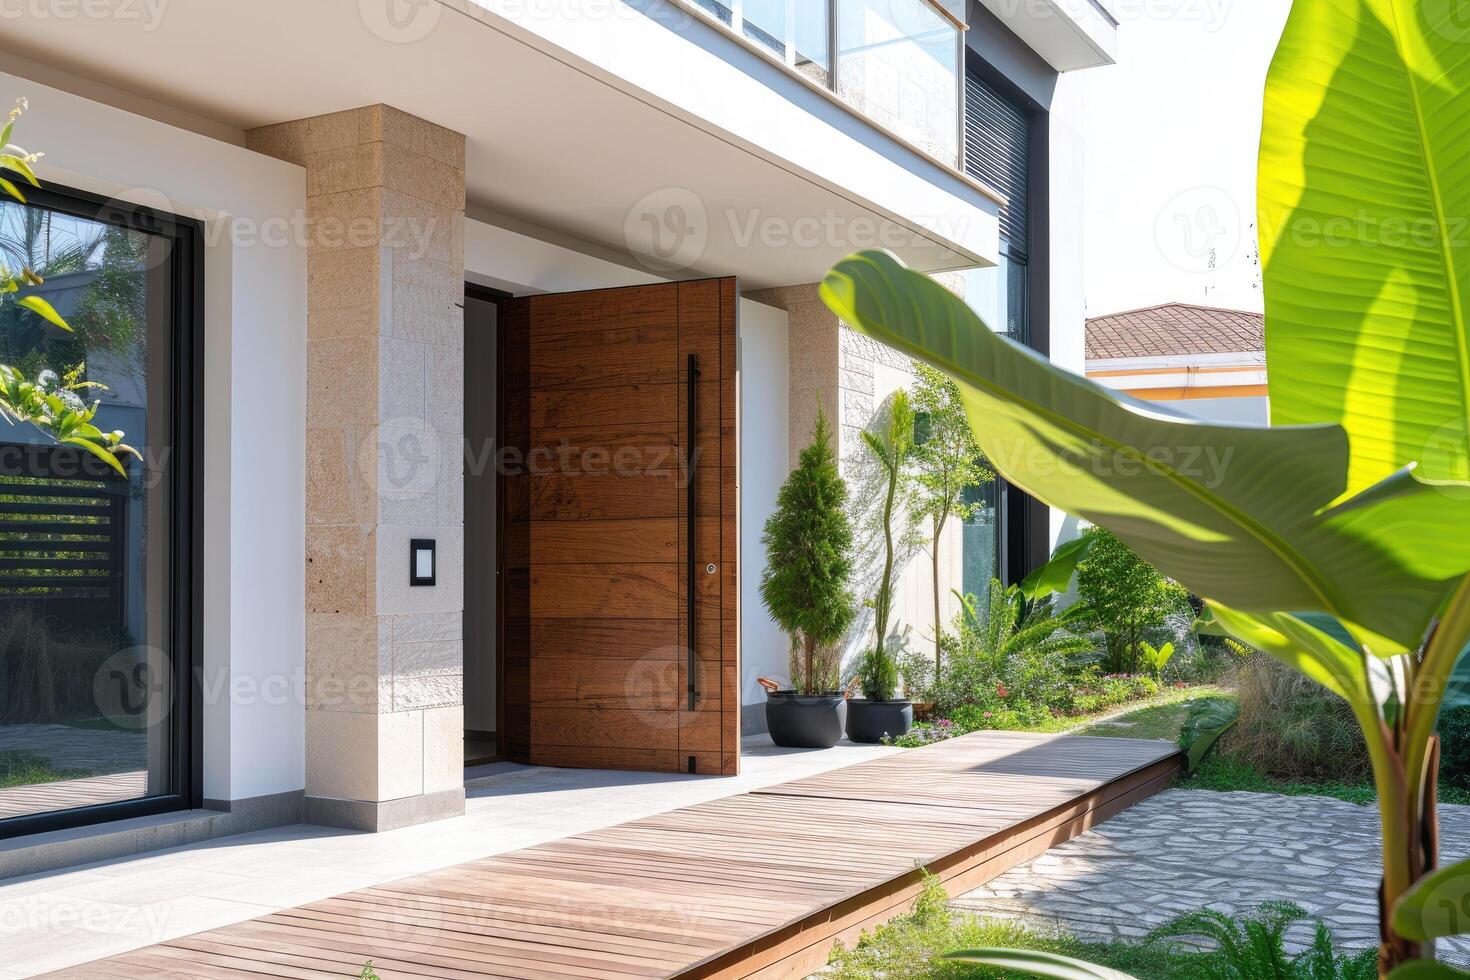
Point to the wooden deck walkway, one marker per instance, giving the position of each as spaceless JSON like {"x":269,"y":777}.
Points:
{"x":18,"y":801}
{"x":759,"y":884}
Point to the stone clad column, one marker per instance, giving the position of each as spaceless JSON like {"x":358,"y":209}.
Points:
{"x":385,"y":377}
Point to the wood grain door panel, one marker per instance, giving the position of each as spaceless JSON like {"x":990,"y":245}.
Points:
{"x":604,"y":591}
{"x":596,"y":565}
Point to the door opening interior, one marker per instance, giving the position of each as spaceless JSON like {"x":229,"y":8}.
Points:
{"x":482,"y":634}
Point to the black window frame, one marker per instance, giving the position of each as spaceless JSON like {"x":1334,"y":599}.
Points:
{"x":1025,"y":522}
{"x":186,"y":538}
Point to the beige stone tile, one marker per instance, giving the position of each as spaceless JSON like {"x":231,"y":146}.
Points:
{"x":335,"y":129}
{"x":426,"y":231}
{"x":404,"y":130}
{"x":160,"y":885}
{"x":446,"y":389}
{"x":404,"y":381}
{"x":451,"y":490}
{"x":424,"y":314}
{"x":284,"y":141}
{"x":400,"y":755}
{"x":341,"y":569}
{"x":408,"y":508}
{"x":427,"y":627}
{"x":345,"y":168}
{"x":344,"y":669}
{"x":443,"y":748}
{"x":340,"y":280}
{"x":395,"y":596}
{"x":422,"y":657}
{"x":346,"y":220}
{"x":424,"y":691}
{"x":441,"y":276}
{"x":408,"y":458}
{"x":417,"y":175}
{"x":342,"y":382}
{"x":362,"y":320}
{"x":342,"y":754}
{"x":339,"y":489}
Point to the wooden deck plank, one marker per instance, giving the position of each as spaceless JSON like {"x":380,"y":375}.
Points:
{"x":758,"y":884}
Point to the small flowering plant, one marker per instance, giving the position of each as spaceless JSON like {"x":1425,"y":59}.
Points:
{"x":51,"y":403}
{"x":926,"y":733}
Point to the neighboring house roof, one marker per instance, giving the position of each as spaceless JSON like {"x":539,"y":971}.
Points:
{"x":1173,"y":330}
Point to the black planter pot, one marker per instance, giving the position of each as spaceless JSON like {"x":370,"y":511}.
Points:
{"x":805,"y":721}
{"x":869,"y":721}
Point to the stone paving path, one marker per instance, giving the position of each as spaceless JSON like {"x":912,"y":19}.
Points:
{"x":1189,"y":849}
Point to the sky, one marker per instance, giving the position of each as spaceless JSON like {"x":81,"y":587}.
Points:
{"x":1172,"y":131}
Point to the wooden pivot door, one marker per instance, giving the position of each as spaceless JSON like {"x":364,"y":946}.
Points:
{"x":600,"y":584}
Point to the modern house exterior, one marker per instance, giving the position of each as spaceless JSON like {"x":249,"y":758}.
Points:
{"x":1203,"y":361}
{"x":466,"y":344}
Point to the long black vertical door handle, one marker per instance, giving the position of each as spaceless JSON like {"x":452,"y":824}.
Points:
{"x":690,"y":504}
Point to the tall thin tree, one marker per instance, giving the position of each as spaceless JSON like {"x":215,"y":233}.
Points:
{"x":946,"y":464}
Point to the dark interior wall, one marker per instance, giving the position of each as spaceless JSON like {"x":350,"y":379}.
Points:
{"x":480,"y":515}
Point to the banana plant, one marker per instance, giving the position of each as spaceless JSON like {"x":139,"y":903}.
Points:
{"x":1273,"y":530}
{"x":51,"y":403}
{"x":1156,"y":658}
{"x":1337,"y":540}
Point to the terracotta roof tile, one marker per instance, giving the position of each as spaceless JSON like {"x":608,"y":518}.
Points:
{"x":1173,"y":329}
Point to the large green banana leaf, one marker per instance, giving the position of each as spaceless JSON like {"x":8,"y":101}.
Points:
{"x":1241,"y":515}
{"x":1364,"y":208}
{"x":1437,"y":906}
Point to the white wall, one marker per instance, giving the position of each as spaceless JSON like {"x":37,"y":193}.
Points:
{"x":1256,"y":411}
{"x":255,"y":405}
{"x":763,"y":468}
{"x":911,"y":622}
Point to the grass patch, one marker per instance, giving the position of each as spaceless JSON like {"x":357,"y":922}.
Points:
{"x":29,"y":769}
{"x":913,"y":946}
{"x":1162,"y":716}
{"x":1226,"y":775}
{"x":1153,"y":717}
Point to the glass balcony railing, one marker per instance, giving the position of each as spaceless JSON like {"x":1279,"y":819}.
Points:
{"x":897,"y":61}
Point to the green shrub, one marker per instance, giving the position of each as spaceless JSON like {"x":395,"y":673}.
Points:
{"x":32,"y":769}
{"x":974,"y":718}
{"x":1454,"y":735}
{"x":877,"y":675}
{"x":1101,"y":693}
{"x":1125,"y":597}
{"x":1253,"y":947}
{"x":1014,"y":654}
{"x":926,"y":733}
{"x":808,"y":542}
{"x":1293,"y":729}
{"x":915,"y":946}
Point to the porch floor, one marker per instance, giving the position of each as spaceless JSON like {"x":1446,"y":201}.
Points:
{"x":762,"y":882}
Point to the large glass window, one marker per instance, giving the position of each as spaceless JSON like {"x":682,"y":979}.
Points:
{"x":96,"y":599}
{"x":998,"y":294}
{"x":796,"y":31}
{"x":897,"y":60}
